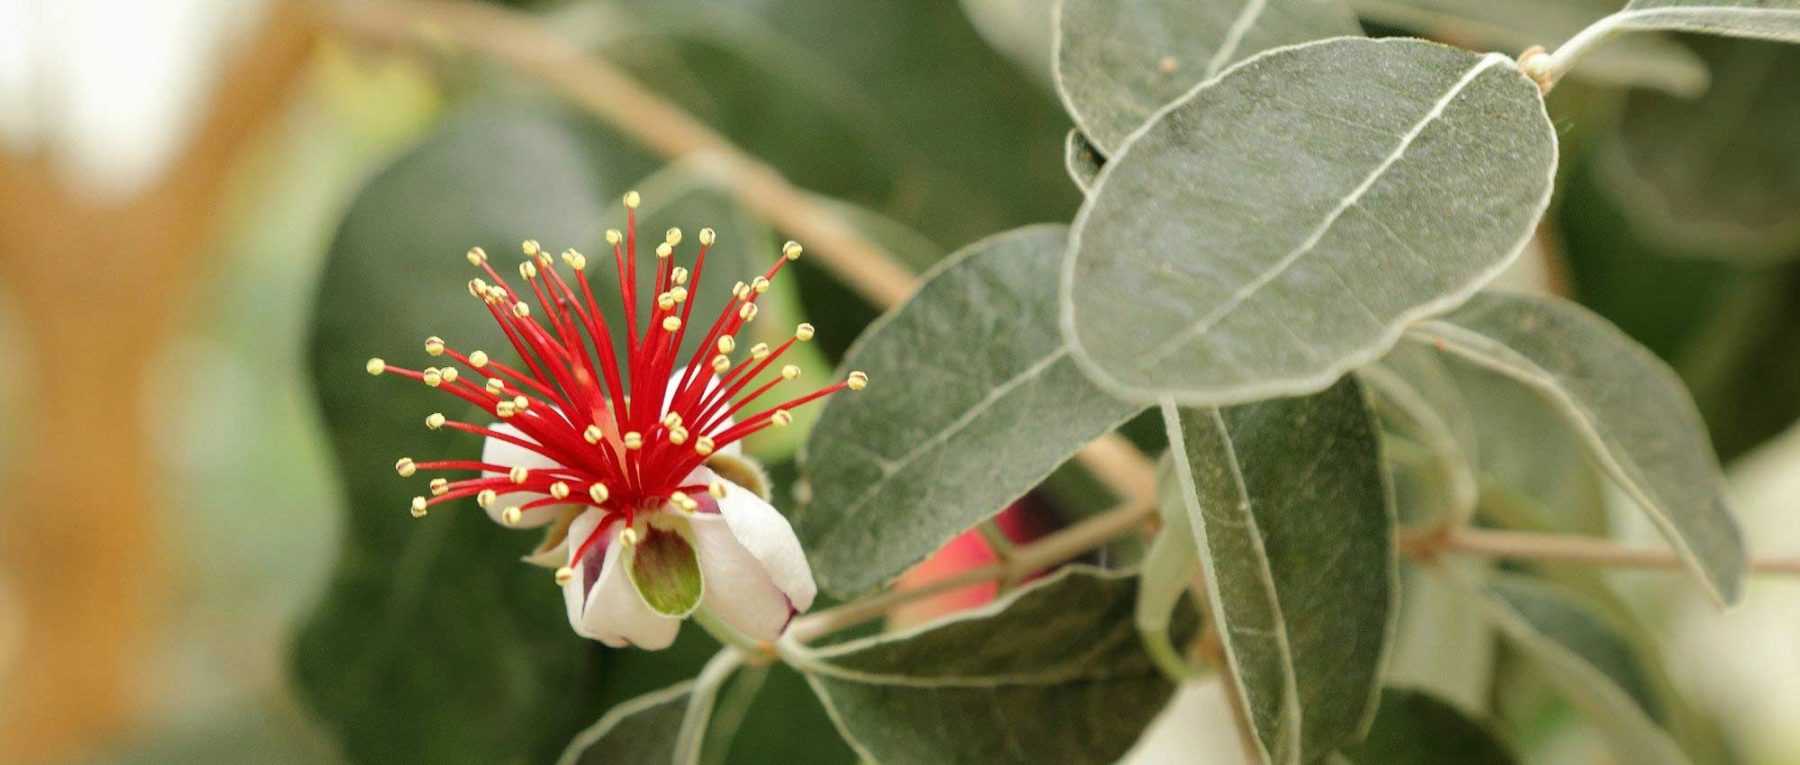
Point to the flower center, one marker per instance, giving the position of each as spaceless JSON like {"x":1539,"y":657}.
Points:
{"x":616,"y":428}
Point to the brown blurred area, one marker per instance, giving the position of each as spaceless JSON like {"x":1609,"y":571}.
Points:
{"x":97,"y":287}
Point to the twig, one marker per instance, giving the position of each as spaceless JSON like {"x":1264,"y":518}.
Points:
{"x":1566,"y":548}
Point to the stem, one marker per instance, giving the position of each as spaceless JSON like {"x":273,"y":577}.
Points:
{"x":1566,"y":548}
{"x":1559,"y":63}
{"x":999,"y":544}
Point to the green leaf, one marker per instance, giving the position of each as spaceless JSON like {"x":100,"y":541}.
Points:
{"x":1165,"y":573}
{"x":1418,"y":402}
{"x":1583,"y":657}
{"x":411,"y":598}
{"x":1414,"y":728}
{"x":1638,"y":420}
{"x":1285,"y":222}
{"x":1649,"y":61}
{"x":1118,"y":62}
{"x":972,"y":401}
{"x":1532,"y":462}
{"x":1442,"y":643}
{"x":665,"y":571}
{"x":1082,"y":160}
{"x":1717,"y":175}
{"x":1291,"y":512}
{"x":1051,"y":673}
{"x":1760,"y":19}
{"x":642,"y":730}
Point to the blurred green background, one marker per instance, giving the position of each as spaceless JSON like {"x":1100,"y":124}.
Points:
{"x":201,"y":200}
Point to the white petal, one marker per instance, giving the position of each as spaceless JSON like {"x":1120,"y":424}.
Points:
{"x":613,"y":613}
{"x":762,"y":531}
{"x":712,"y":383}
{"x":573,"y":591}
{"x":738,"y":589}
{"x":497,"y":452}
{"x":616,"y":612}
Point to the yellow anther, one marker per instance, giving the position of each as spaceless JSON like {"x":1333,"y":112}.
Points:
{"x":512,"y":515}
{"x":519,"y":474}
{"x":528,"y":270}
{"x":720,"y":364}
{"x":628,"y":537}
{"x":564,"y":576}
{"x":439,"y":486}
{"x":477,"y":289}
{"x":717,"y":489}
{"x":476,"y":256}
{"x":521,"y":403}
{"x":703,"y":445}
{"x":598,"y":493}
{"x":531,"y":247}
{"x":632,"y":199}
{"x":521,"y":310}
{"x":375,"y":366}
{"x":634,"y":440}
{"x":678,"y":275}
{"x":449,"y":374}
{"x":434,"y":346}
{"x":760,"y":284}
{"x":665,"y":301}
{"x":671,"y":323}
{"x":574,"y":260}
{"x":559,"y":490}
{"x":782,"y":418}
{"x":857,"y":381}
{"x":406,"y":467}
{"x":435,"y":420}
{"x":432,"y":377}
{"x":791,"y":250}
{"x":747,"y":312}
{"x":478,"y":359}
{"x":759,"y":351}
{"x":592,"y":434}
{"x":679,"y":293}
{"x":495,"y":386}
{"x":678,"y":435}
{"x":727,"y":344}
{"x":803,"y":332}
{"x":486,"y":498}
{"x":672,"y":420}
{"x":505,"y":409}
{"x":739,"y":290}
{"x":613,"y":236}
{"x":708,"y":236}
{"x":418,"y":507}
{"x":664,"y":250}
{"x":672,"y":236}
{"x":789,"y":372}
{"x":683,"y":503}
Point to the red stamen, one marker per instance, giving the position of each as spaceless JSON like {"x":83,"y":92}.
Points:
{"x":622,"y":454}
